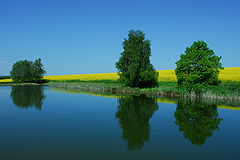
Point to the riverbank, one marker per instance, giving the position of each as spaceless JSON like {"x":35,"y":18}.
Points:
{"x":18,"y":84}
{"x":227,"y":91}
{"x":226,"y":104}
{"x":224,"y":92}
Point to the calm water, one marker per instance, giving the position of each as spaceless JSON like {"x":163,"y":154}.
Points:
{"x":44,"y":123}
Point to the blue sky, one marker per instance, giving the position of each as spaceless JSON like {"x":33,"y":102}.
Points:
{"x":75,"y":37}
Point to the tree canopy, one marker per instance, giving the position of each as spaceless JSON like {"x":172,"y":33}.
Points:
{"x":135,"y":69}
{"x":199,"y":66}
{"x":27,"y":71}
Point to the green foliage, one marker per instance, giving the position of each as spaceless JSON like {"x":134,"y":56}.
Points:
{"x":38,"y":70}
{"x":5,"y":77}
{"x":199,"y":66}
{"x":197,"y":89}
{"x":197,"y":120}
{"x":27,"y":71}
{"x":229,"y":89}
{"x":135,"y":69}
{"x":28,"y":96}
{"x":134,"y":113}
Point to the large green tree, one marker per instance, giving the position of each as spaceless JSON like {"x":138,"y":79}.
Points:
{"x":199,"y":66}
{"x":134,"y":65}
{"x":27,"y":71}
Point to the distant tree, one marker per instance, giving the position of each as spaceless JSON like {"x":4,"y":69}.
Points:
{"x":5,"y":77}
{"x":198,"y":67}
{"x":134,"y":65}
{"x":22,"y":71}
{"x":27,"y":71}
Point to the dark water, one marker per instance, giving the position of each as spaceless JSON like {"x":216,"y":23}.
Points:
{"x":43,"y":123}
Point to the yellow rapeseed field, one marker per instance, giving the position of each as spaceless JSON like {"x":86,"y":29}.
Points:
{"x":85,"y":77}
{"x":165,"y":75}
{"x":6,"y":80}
{"x":228,"y":74}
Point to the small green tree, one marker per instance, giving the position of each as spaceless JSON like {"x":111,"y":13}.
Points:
{"x":135,"y":69}
{"x":27,"y":71}
{"x":198,"y":67}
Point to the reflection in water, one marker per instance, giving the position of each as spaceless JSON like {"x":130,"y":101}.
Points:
{"x":197,"y":120}
{"x":134,"y":113}
{"x":28,"y":96}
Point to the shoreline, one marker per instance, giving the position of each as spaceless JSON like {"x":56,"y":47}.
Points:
{"x":165,"y":89}
{"x":160,"y":99}
{"x":19,"y":84}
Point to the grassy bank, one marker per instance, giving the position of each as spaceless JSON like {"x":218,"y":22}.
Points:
{"x":224,"y":92}
{"x":18,"y":84}
{"x":234,"y":105}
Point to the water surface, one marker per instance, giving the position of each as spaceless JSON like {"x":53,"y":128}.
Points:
{"x":45,"y":123}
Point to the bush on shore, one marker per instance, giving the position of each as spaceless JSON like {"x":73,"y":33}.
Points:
{"x":28,"y":71}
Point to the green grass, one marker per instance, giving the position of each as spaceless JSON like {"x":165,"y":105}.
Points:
{"x":225,"y":89}
{"x":92,"y":81}
{"x":228,"y":91}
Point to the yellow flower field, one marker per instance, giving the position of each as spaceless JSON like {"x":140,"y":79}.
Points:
{"x":85,"y":77}
{"x":6,"y":80}
{"x":228,"y":74}
{"x":165,"y":75}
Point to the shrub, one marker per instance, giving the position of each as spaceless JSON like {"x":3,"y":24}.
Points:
{"x":27,"y":71}
{"x":135,"y":69}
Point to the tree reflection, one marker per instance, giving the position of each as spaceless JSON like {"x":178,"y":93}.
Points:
{"x":28,"y":96}
{"x":134,"y":113}
{"x":197,"y":120}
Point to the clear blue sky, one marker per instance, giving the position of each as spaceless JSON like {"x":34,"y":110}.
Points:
{"x":74,"y":36}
